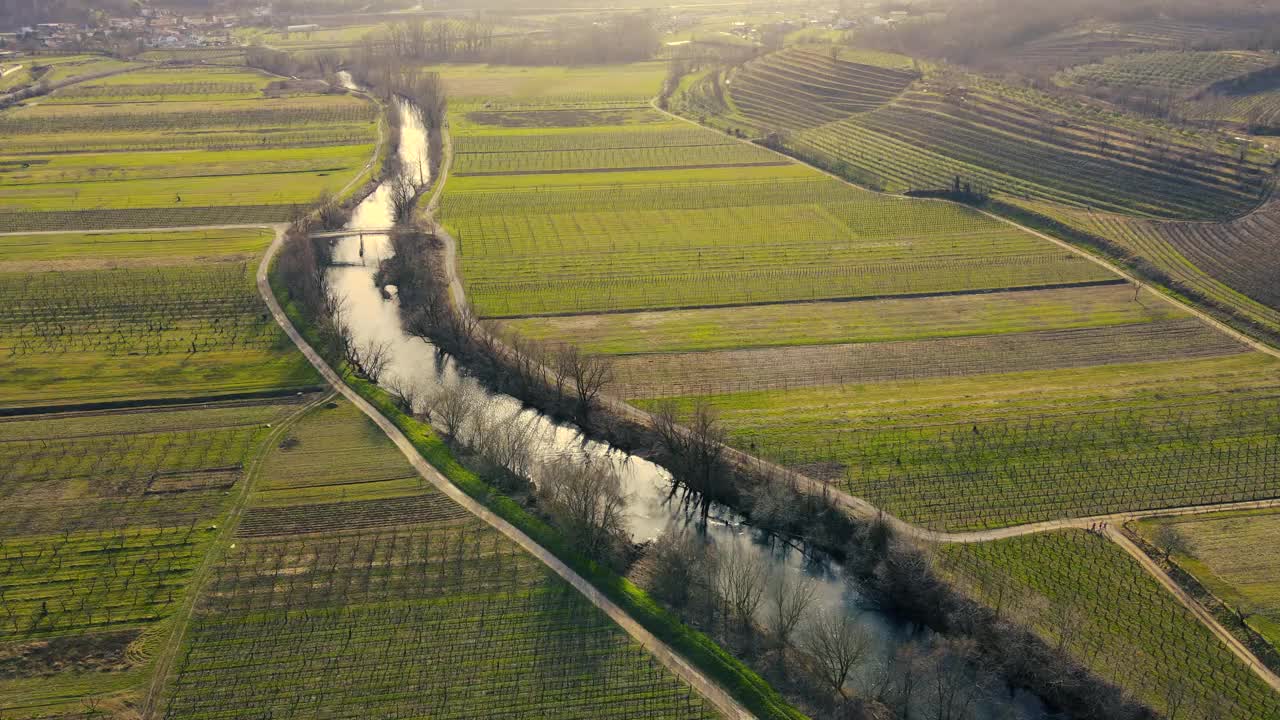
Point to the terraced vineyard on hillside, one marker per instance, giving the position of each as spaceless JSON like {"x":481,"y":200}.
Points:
{"x":1093,"y":41}
{"x":801,"y":88}
{"x":1173,"y":73}
{"x":928,"y":138}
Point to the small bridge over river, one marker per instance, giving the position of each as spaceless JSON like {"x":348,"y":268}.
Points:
{"x":338,"y":234}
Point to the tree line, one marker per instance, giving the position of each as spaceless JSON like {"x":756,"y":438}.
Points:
{"x":615,"y":38}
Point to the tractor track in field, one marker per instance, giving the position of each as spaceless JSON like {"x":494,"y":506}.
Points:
{"x":226,"y":535}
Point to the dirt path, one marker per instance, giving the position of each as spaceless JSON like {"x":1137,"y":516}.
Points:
{"x":182,"y":618}
{"x":1235,"y":646}
{"x":180,"y":228}
{"x":677,"y":664}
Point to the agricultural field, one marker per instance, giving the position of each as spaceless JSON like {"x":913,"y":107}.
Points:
{"x":1080,"y":592}
{"x":142,"y":380}
{"x":59,"y":69}
{"x":1234,"y":556}
{"x":1019,"y":147}
{"x":353,"y":589}
{"x":1177,"y":74}
{"x":167,"y":85}
{"x":1232,"y":264}
{"x":108,"y":518}
{"x":870,"y":321}
{"x":1014,"y":142}
{"x":166,"y":147}
{"x":1258,"y":112}
{"x":952,"y":369}
{"x":680,"y":239}
{"x":803,"y":87}
{"x":564,"y":87}
{"x":967,"y":452}
{"x":91,"y":318}
{"x":1095,"y":41}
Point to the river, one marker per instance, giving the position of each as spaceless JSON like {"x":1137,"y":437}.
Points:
{"x":652,"y":509}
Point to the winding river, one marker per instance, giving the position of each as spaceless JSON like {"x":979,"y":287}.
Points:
{"x":652,"y":508}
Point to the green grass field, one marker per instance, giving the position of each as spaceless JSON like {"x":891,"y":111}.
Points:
{"x":171,"y":147}
{"x":62,"y":68}
{"x":929,"y":386}
{"x":97,"y":318}
{"x":1080,"y":592}
{"x":874,"y":321}
{"x":1234,"y":556}
{"x":339,"y":598}
{"x":990,"y":450}
{"x":693,"y":238}
{"x":71,"y":250}
{"x":505,"y":86}
{"x":109,"y":516}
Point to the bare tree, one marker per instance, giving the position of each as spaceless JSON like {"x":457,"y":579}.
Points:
{"x":403,"y":196}
{"x":741,"y":581}
{"x":590,"y":375}
{"x":954,"y":688}
{"x":368,"y":358}
{"x":510,"y":444}
{"x":330,"y":211}
{"x":585,"y":499}
{"x":836,"y":643}
{"x":1171,"y":541}
{"x":696,"y":449}
{"x":406,"y":393}
{"x":681,"y":563}
{"x":1177,"y":696}
{"x":451,"y":407}
{"x":1069,"y":620}
{"x":790,"y":595}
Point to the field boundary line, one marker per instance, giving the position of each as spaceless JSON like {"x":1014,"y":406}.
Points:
{"x":814,"y":301}
{"x":115,"y":231}
{"x":226,"y":533}
{"x":660,"y":650}
{"x":1206,"y":618}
